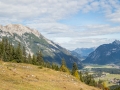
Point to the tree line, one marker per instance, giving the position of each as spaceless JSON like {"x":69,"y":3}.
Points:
{"x":18,"y":54}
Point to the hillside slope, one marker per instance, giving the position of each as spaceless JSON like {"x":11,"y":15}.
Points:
{"x":15,"y":76}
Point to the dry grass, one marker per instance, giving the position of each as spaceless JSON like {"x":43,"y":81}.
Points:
{"x":14,"y":76}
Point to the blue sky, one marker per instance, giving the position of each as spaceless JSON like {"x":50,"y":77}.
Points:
{"x":71,"y":23}
{"x":84,"y":19}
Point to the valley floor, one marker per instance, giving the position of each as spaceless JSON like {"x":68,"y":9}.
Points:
{"x":14,"y":76}
{"x":110,"y":79}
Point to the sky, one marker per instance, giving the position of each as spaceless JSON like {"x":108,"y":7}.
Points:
{"x":70,"y":23}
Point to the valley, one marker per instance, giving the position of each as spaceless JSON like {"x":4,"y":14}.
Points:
{"x":104,"y":73}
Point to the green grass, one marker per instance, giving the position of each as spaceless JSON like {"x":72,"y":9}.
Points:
{"x":109,"y":77}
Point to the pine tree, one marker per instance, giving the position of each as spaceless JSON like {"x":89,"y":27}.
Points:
{"x":40,"y":60}
{"x":55,"y":66}
{"x":75,"y":71}
{"x":105,"y":87}
{"x":63,"y":67}
{"x":1,"y":50}
{"x":34,"y":60}
{"x":89,"y":80}
{"x":4,"y":57}
{"x":48,"y":65}
{"x":29,"y":59}
{"x":76,"y":74}
{"x":74,"y":68}
{"x":81,"y":77}
{"x":10,"y":52}
{"x":117,"y":88}
{"x":3,"y":44}
{"x":24,"y":55}
{"x":19,"y":54}
{"x":14,"y":56}
{"x":7,"y":49}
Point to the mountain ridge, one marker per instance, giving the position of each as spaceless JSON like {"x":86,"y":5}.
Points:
{"x":34,"y":41}
{"x":19,"y":29}
{"x":82,"y":53}
{"x":105,"y":54}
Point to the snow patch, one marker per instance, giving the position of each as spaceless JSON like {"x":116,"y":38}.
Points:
{"x":16,"y":38}
{"x":50,"y":42}
{"x":108,"y":53}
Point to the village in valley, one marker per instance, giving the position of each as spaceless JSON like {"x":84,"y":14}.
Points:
{"x":107,"y":75}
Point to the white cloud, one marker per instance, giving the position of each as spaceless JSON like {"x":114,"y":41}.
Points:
{"x":86,"y":42}
{"x":55,"y":9}
{"x":44,"y":14}
{"x":82,"y":36}
{"x":27,"y":9}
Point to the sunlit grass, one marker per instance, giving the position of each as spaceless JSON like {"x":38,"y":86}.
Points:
{"x":14,"y":76}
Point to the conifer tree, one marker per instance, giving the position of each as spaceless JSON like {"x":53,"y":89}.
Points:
{"x":10,"y":52}
{"x":48,"y":65}
{"x":117,"y":88}
{"x":3,"y":44}
{"x":55,"y":66}
{"x":34,"y":60}
{"x":40,"y":60}
{"x":14,"y":56}
{"x":0,"y":50}
{"x":74,"y":68}
{"x":81,"y":77}
{"x":19,"y":53}
{"x":24,"y":55}
{"x":63,"y":67}
{"x":89,"y":80}
{"x":76,"y":74}
{"x":2,"y":47}
{"x":75,"y":71}
{"x":7,"y":49}
{"x":105,"y":86}
{"x":29,"y":58}
{"x":4,"y":57}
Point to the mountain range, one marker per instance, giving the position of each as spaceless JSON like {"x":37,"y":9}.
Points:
{"x":82,"y":53}
{"x":33,"y":41}
{"x":105,"y":54}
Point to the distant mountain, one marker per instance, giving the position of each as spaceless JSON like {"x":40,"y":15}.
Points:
{"x":105,"y":54}
{"x":34,"y":41}
{"x":82,"y":53}
{"x":76,"y":55}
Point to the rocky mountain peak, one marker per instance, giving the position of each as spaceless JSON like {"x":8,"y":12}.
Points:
{"x":116,"y":42}
{"x":18,"y":29}
{"x":105,"y":54}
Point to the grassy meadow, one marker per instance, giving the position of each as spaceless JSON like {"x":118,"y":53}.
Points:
{"x":19,"y":76}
